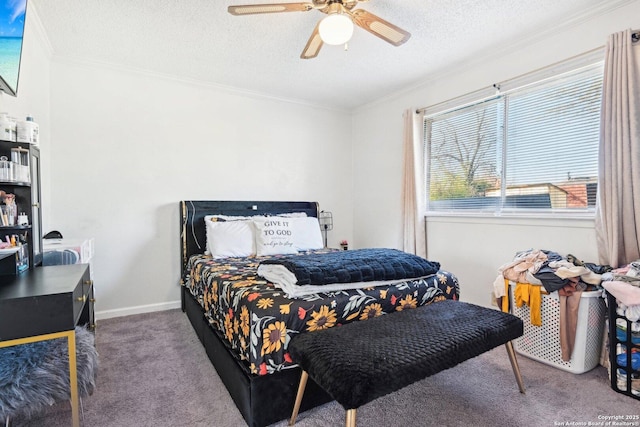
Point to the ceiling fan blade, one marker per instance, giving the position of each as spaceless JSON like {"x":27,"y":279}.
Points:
{"x":251,"y":9}
{"x":314,"y":44}
{"x":379,"y":27}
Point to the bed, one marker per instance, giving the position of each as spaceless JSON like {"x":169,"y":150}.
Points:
{"x":245,"y":322}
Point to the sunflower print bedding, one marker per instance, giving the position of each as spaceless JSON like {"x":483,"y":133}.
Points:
{"x":257,"y":320}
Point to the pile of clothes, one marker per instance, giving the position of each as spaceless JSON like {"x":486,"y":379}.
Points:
{"x":550,"y":270}
{"x":535,"y":269}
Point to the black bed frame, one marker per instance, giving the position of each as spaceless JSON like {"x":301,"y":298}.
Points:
{"x":265,"y":399}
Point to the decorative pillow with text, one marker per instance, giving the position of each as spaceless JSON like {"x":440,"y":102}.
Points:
{"x":274,"y":235}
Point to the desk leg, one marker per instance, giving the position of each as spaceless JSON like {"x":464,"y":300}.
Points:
{"x":73,"y":378}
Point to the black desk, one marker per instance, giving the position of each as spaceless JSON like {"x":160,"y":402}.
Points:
{"x":47,"y":303}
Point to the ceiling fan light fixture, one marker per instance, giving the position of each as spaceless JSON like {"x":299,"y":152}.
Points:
{"x":336,"y":29}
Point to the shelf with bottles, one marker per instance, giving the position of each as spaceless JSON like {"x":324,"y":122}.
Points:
{"x":17,"y":169}
{"x":12,"y":240}
{"x":12,"y":213}
{"x":10,"y":220}
{"x":16,"y":221}
{"x":15,"y":130}
{"x":20,"y":177}
{"x":16,"y":253}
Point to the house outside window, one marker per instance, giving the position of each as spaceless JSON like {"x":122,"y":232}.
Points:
{"x":529,"y":150}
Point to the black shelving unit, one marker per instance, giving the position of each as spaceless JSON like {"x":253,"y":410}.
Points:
{"x":27,"y":198}
{"x":623,"y":345}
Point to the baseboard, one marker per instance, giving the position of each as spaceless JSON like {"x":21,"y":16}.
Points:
{"x":119,"y":312}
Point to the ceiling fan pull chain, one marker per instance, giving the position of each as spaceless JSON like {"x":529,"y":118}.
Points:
{"x":346,"y":46}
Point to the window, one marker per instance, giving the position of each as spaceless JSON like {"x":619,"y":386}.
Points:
{"x":530,"y":149}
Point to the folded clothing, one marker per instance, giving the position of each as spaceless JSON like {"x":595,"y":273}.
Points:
{"x":362,"y":265}
{"x":624,"y":292}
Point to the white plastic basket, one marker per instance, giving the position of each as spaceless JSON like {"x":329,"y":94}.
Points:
{"x":542,"y":343}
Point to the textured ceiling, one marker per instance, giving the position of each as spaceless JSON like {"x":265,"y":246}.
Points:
{"x":199,"y":40}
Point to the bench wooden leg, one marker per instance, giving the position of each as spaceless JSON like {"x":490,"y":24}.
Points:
{"x":514,"y":365}
{"x":301,"y":387}
{"x":351,"y":418}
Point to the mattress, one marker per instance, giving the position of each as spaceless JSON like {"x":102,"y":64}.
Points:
{"x":257,"y":320}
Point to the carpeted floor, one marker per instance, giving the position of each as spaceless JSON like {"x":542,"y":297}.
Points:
{"x":154,"y":372}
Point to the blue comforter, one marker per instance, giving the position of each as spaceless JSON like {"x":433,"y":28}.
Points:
{"x":361,"y":265}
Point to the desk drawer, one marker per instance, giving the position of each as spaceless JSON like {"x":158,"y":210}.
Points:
{"x":43,"y":300}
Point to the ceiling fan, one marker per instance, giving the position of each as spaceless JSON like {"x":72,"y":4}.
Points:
{"x":337,"y":27}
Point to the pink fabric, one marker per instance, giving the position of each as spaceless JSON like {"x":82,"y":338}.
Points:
{"x":622,"y":270}
{"x":624,"y":292}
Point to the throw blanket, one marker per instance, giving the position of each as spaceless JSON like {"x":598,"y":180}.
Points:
{"x":303,"y":274}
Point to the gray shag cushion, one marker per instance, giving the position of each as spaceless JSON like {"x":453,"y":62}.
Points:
{"x":361,"y":361}
{"x":36,"y":375}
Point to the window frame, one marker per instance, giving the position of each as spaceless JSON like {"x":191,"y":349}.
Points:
{"x":592,"y":59}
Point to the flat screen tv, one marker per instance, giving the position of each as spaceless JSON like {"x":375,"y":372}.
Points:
{"x":12,"y":18}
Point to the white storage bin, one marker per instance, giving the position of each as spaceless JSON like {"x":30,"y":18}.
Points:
{"x":542,"y":343}
{"x":68,"y":251}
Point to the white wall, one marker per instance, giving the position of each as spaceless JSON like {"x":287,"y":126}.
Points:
{"x":127,"y":147}
{"x":471,"y":248}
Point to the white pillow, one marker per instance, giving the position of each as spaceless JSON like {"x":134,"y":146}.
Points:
{"x":306,"y":233}
{"x":219,"y":218}
{"x":274,"y":235}
{"x":230,"y":239}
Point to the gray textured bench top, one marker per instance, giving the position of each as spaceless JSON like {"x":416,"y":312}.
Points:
{"x":364,"y":360}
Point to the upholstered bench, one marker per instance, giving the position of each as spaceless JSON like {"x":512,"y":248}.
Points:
{"x":361,"y":361}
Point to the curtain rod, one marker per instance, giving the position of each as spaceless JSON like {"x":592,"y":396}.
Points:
{"x":497,"y":85}
{"x":635,"y":37}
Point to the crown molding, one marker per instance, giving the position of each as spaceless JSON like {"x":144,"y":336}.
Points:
{"x":95,"y":64}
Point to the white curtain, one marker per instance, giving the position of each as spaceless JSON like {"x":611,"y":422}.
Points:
{"x":413,"y":195}
{"x":618,"y":206}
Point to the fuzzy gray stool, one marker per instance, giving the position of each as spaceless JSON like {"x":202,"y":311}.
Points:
{"x":361,"y":361}
{"x":36,"y":375}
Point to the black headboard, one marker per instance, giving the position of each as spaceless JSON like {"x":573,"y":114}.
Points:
{"x":192,"y":212}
